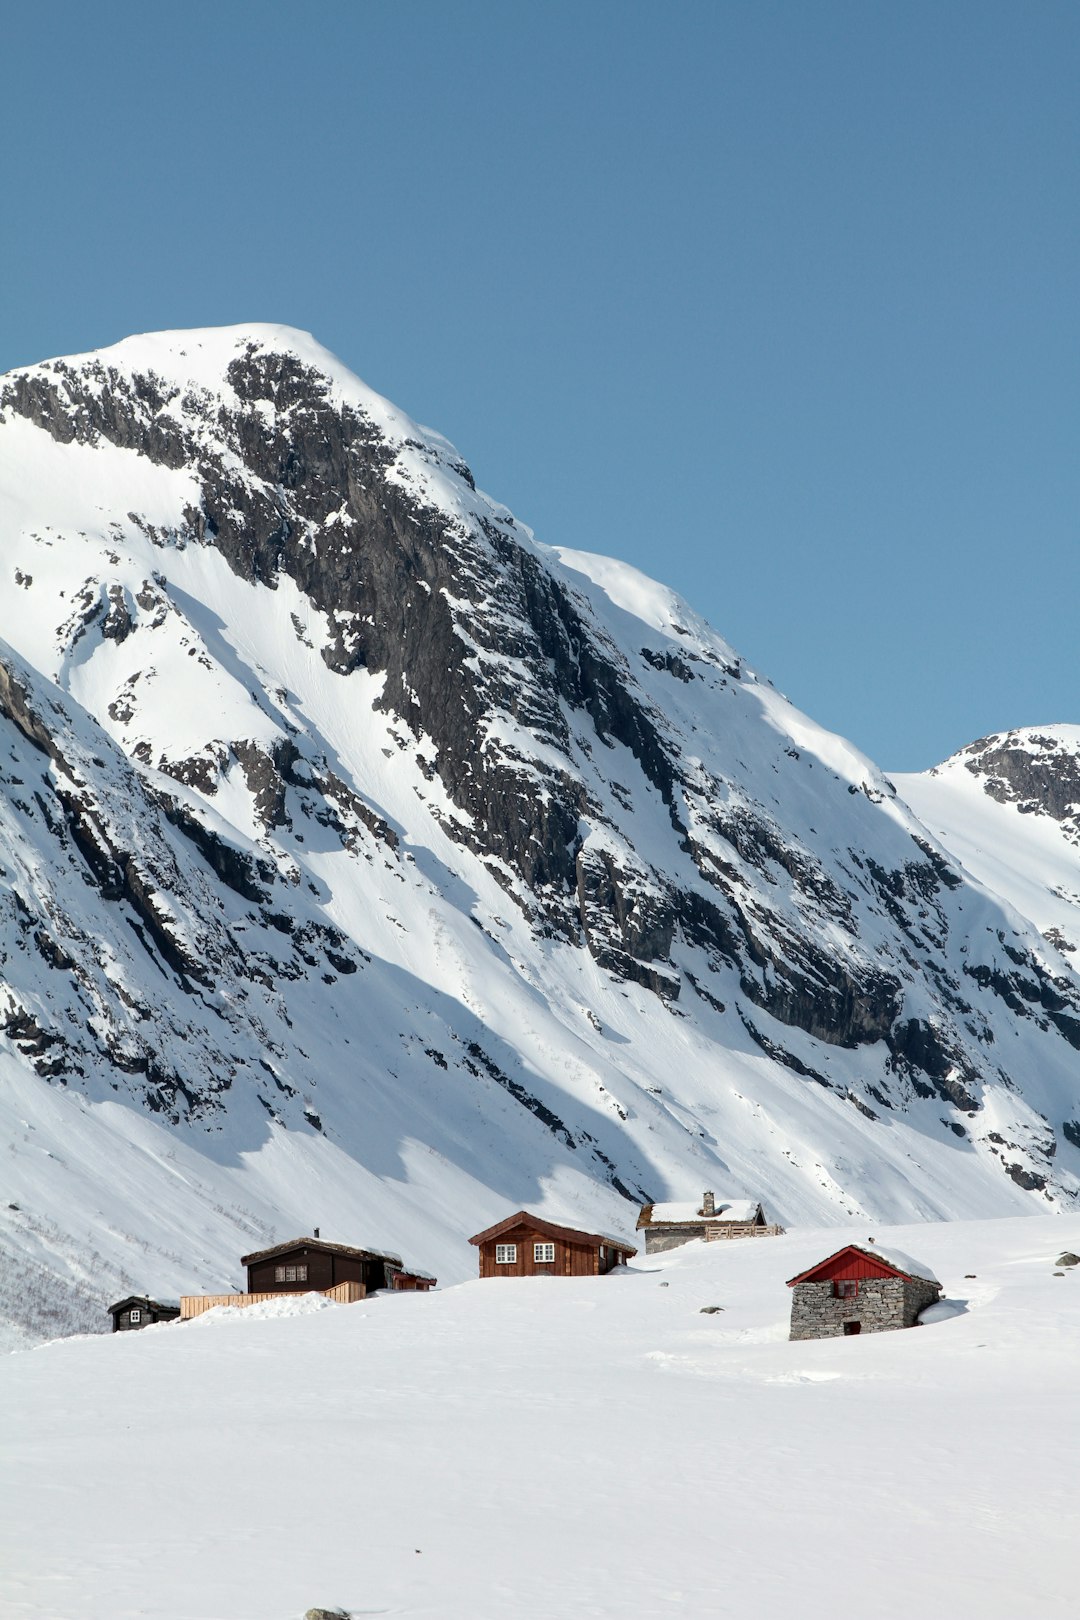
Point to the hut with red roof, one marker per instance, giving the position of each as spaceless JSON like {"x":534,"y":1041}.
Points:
{"x":860,"y":1290}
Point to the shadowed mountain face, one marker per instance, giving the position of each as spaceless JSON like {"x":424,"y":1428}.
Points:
{"x":334,"y":803}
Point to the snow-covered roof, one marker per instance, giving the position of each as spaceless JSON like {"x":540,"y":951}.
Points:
{"x":902,"y":1262}
{"x":144,"y":1300}
{"x":323,"y":1247}
{"x":894,"y":1258}
{"x":571,"y":1234}
{"x":682,"y":1213}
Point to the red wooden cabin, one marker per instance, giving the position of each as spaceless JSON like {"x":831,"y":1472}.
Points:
{"x":523,"y":1245}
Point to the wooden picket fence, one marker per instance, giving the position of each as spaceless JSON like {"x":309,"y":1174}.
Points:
{"x":715,"y":1234}
{"x":346,"y":1293}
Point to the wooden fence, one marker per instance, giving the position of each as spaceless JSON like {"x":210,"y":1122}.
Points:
{"x":714,"y":1234}
{"x":346,"y":1293}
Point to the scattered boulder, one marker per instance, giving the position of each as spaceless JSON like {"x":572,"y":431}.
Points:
{"x":327,"y":1614}
{"x":710,"y":1310}
{"x":1067,"y":1258}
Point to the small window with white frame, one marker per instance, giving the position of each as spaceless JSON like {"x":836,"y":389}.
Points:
{"x":544,"y":1254}
{"x":506,"y":1254}
{"x":135,"y":1315}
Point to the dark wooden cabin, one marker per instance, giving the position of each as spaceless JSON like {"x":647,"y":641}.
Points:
{"x":523,"y":1245}
{"x":137,"y":1311}
{"x":860,"y":1290}
{"x":309,"y":1263}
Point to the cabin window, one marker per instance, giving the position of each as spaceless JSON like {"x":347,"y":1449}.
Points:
{"x":134,"y":1316}
{"x":845,"y":1290}
{"x":506,"y":1254}
{"x":603,"y":1251}
{"x":290,"y":1273}
{"x":544,"y":1254}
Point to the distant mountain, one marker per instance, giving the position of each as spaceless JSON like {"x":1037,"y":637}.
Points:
{"x":1008,"y":807}
{"x":367,"y":863}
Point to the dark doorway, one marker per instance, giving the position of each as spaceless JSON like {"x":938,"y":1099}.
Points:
{"x":852,"y":1327}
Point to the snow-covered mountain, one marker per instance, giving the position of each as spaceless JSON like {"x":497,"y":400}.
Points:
{"x":1008,"y":808}
{"x":369,"y":864}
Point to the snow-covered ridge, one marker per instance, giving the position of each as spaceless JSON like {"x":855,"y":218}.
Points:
{"x":374,"y":859}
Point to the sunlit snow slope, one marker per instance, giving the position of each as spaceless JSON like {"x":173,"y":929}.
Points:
{"x":367,"y":864}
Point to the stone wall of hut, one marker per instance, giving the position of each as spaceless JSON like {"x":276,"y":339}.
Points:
{"x":882,"y":1304}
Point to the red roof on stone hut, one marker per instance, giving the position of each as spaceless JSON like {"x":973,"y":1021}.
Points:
{"x":854,"y":1261}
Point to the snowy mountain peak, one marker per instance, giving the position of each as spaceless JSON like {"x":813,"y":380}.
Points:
{"x":375,"y":847}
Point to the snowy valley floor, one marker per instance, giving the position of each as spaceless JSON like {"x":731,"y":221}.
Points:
{"x":539,"y":1449}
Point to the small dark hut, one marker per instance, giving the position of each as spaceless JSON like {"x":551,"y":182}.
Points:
{"x":309,"y":1263}
{"x":138,"y":1312}
{"x":523,"y":1245}
{"x":860,"y":1290}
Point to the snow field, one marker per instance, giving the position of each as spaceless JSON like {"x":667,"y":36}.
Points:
{"x":537,"y":1448}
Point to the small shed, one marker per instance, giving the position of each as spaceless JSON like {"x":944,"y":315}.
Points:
{"x":666,"y":1226}
{"x":411,"y":1280}
{"x":137,"y":1311}
{"x":860,"y":1290}
{"x":524,"y":1245}
{"x":304,"y":1264}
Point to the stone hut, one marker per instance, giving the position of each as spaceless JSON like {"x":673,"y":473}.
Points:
{"x":139,"y":1311}
{"x":860,"y":1290}
{"x":666,"y":1226}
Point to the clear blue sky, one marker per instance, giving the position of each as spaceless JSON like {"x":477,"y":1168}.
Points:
{"x":779,"y":302}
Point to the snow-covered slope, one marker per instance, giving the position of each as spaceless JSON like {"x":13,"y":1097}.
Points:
{"x":533,"y":1448}
{"x":367,"y":864}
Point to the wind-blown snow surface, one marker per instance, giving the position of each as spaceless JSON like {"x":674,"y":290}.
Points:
{"x":368,"y":865}
{"x":538,"y":1448}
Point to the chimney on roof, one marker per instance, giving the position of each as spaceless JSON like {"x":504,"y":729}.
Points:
{"x":708,"y":1205}
{"x":316,"y":1232}
{"x":869,"y":1240}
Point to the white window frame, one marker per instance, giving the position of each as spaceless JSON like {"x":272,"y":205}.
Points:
{"x":290,"y":1274}
{"x":506,"y":1254}
{"x":543,"y":1254}
{"x":135,"y":1314}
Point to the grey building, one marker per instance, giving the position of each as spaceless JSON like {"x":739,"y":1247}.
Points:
{"x":666,"y":1226}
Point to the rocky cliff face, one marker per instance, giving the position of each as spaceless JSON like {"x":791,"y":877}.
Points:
{"x":1036,"y":770}
{"x":302,"y":728}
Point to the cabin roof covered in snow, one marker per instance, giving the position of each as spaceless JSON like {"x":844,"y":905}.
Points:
{"x":323,"y":1248}
{"x":569,"y":1234}
{"x":688,"y":1212}
{"x":894,"y":1260}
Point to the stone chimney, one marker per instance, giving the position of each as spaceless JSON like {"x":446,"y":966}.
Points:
{"x":708,"y":1205}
